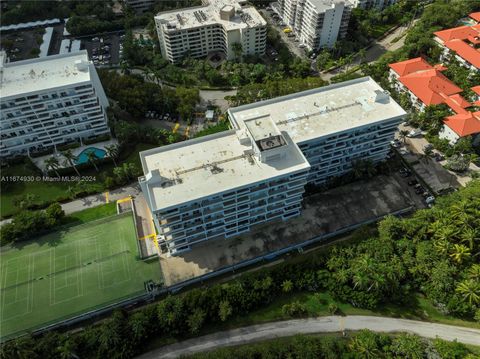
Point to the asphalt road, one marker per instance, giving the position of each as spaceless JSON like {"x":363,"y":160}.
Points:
{"x":329,"y":324}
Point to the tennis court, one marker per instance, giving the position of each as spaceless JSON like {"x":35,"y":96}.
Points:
{"x":71,"y":271}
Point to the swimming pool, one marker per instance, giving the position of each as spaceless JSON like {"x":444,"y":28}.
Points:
{"x":83,"y":156}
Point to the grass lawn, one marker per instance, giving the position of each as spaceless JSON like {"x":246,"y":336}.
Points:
{"x":71,"y":271}
{"x":91,"y":214}
{"x":43,"y":191}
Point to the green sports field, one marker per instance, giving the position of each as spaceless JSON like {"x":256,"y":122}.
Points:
{"x":71,"y":271}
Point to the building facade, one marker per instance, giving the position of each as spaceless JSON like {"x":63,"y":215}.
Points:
{"x":373,"y":4}
{"x":316,"y":23}
{"x":221,"y":185}
{"x":48,"y":102}
{"x":140,"y":6}
{"x":334,"y":126}
{"x":231,"y":28}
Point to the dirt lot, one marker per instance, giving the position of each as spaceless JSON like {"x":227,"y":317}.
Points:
{"x":324,"y":213}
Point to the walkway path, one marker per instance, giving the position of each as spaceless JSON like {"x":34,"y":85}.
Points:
{"x":329,"y":324}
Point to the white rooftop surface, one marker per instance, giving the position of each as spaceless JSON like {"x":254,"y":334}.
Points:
{"x":212,"y":16}
{"x":322,"y":111}
{"x":22,"y":77}
{"x":189,"y":164}
{"x":322,"y":5}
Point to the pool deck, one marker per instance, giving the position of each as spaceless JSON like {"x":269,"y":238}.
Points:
{"x":40,"y":161}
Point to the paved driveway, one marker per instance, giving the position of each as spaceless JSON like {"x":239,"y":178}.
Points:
{"x":331,"y":324}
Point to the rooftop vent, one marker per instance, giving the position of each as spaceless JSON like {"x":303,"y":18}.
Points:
{"x":381,"y":96}
{"x":81,"y":65}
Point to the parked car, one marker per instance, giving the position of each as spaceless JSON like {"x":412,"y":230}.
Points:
{"x":439,"y":157}
{"x":414,"y":133}
{"x":95,"y":39}
{"x":419,"y":190}
{"x":301,"y":46}
{"x":395,"y":143}
{"x":412,"y":182}
{"x":430,"y":200}
{"x":404,"y":151}
{"x":405,"y":172}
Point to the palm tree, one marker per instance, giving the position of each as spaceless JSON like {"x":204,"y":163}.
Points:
{"x":71,"y":158}
{"x":403,"y":136}
{"x":474,"y":272}
{"x":365,"y":345}
{"x":52,"y":163}
{"x":427,"y":154}
{"x":91,"y":158}
{"x":470,"y":290}
{"x":460,"y":252}
{"x":470,"y":236}
{"x":112,"y":152}
{"x":237,"y":50}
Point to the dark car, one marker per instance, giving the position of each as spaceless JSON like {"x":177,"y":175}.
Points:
{"x":419,"y":190}
{"x":412,"y":182}
{"x":439,"y":157}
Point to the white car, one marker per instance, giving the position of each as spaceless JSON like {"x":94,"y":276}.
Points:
{"x":430,"y":200}
{"x":301,"y":46}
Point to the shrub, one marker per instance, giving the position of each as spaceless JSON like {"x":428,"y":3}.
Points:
{"x":332,"y":308}
{"x":295,"y":309}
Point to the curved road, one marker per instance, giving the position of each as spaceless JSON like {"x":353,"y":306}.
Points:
{"x":314,"y":325}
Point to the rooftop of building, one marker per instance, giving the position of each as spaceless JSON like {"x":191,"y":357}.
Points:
{"x":27,"y":76}
{"x":403,"y":68}
{"x":476,"y":89}
{"x":464,"y":124}
{"x":322,"y":5}
{"x":426,"y":82}
{"x":209,"y":165}
{"x":243,"y":16}
{"x":325,"y":110}
{"x":462,"y":40}
{"x":475,"y":16}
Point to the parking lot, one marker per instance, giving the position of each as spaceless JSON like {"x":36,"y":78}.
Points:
{"x":104,"y":50}
{"x":24,"y":44}
{"x":324,"y":213}
{"x":288,"y":37}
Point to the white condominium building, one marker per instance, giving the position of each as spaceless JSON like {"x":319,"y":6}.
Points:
{"x":370,"y":4}
{"x":317,"y":23}
{"x":228,"y":26}
{"x":332,"y":125}
{"x":49,"y":101}
{"x":221,"y":185}
{"x":140,"y":5}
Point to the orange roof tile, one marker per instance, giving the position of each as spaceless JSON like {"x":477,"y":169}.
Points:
{"x":475,"y":16}
{"x":464,"y":124}
{"x":461,"y":32}
{"x":457,"y":103}
{"x":403,"y":68}
{"x":465,"y":51}
{"x":476,"y":89}
{"x":427,"y":85}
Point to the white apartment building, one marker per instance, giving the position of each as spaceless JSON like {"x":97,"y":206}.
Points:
{"x":370,"y":4}
{"x":221,"y":185}
{"x":332,"y":125}
{"x":217,"y":26}
{"x":316,"y":23}
{"x":140,"y":6}
{"x":49,"y":101}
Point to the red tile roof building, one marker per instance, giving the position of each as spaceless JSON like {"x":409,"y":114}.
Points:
{"x":464,"y":41}
{"x":475,"y":16}
{"x":427,"y":86}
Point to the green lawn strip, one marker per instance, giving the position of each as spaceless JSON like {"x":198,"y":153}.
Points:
{"x":71,"y":271}
{"x":91,"y":214}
